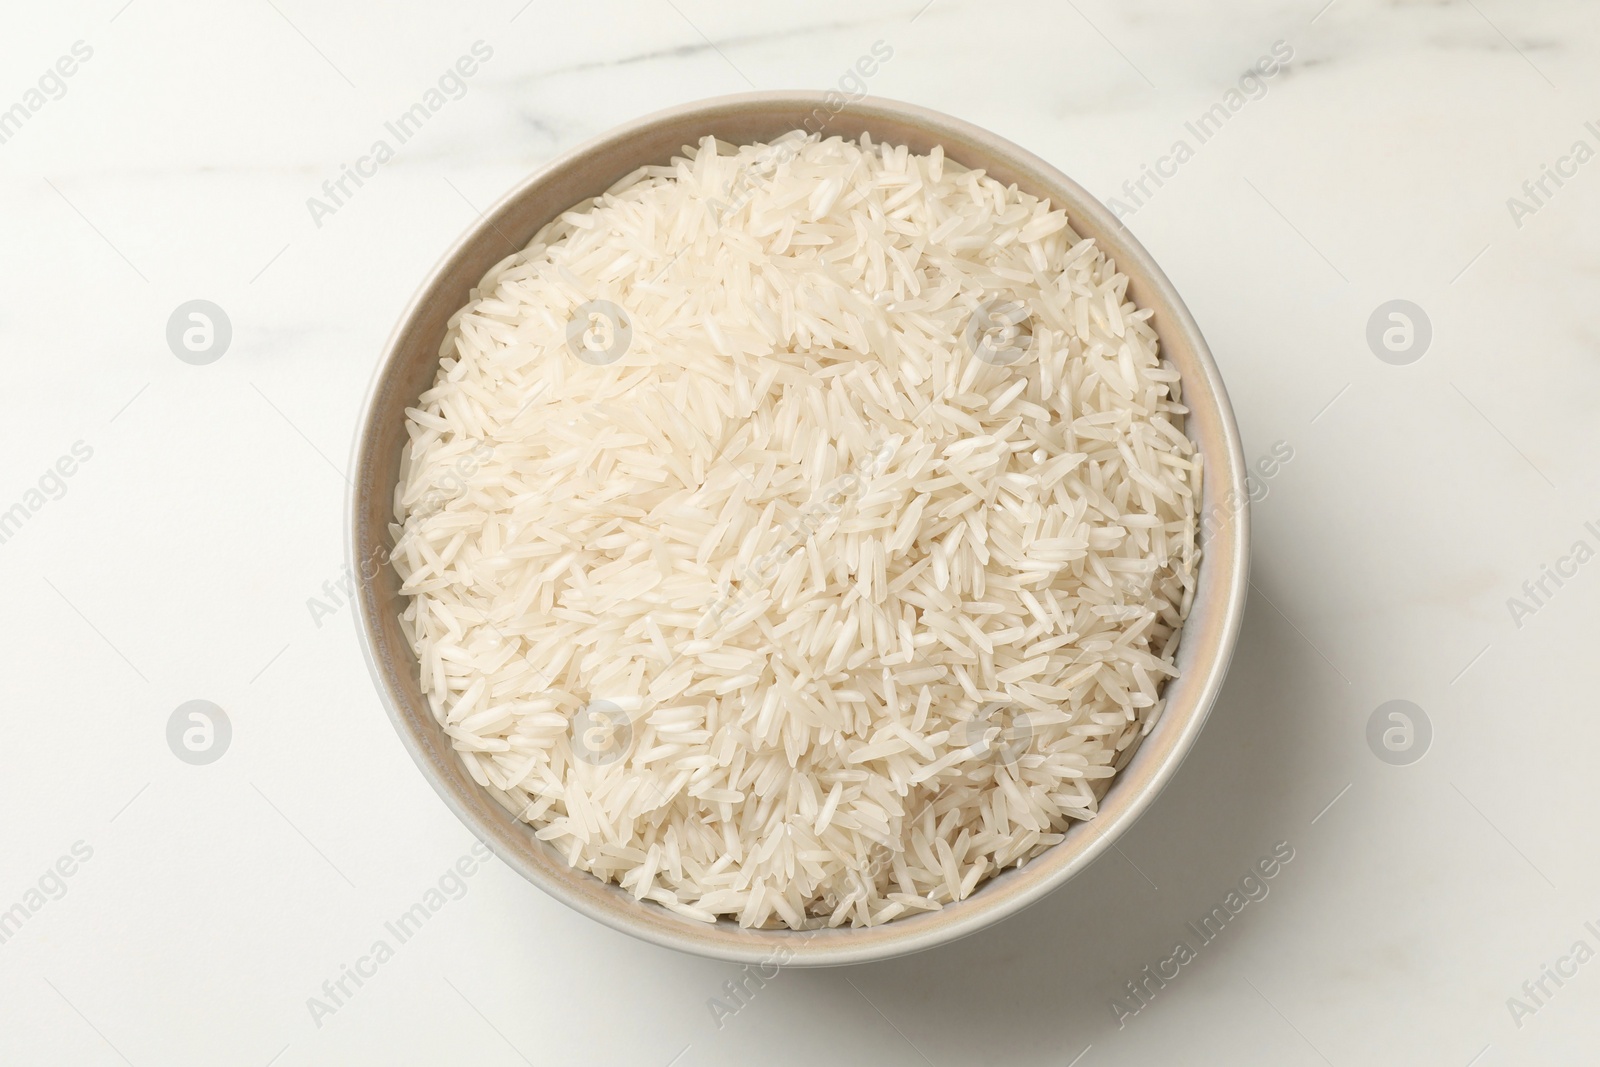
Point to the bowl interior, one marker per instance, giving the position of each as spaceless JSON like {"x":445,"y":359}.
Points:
{"x":411,"y":362}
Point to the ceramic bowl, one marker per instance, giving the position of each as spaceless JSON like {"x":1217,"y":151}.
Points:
{"x":411,"y":360}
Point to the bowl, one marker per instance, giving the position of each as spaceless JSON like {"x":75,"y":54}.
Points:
{"x":412,"y":358}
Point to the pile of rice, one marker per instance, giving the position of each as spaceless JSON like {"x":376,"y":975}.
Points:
{"x":799,"y":533}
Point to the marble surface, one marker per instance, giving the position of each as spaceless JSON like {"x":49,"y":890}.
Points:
{"x":177,"y":520}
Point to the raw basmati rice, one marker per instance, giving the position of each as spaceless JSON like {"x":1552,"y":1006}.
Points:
{"x":800,"y":533}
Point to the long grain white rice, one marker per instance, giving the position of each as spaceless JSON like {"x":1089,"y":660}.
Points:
{"x":838,"y":571}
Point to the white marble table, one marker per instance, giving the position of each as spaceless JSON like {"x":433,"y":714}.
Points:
{"x":177,"y":521}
